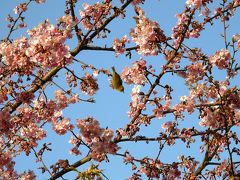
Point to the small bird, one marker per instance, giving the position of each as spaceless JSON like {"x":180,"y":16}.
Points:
{"x":117,"y":81}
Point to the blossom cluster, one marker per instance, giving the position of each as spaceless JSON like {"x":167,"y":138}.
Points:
{"x":75,"y":141}
{"x":68,"y":22}
{"x":44,"y":48}
{"x":224,"y":168}
{"x":26,"y":122}
{"x":28,"y":175}
{"x":195,"y":72}
{"x":135,"y":74}
{"x":4,"y":120}
{"x":147,"y":34}
{"x":98,"y":139}
{"x":197,"y":3}
{"x":52,"y":111}
{"x":93,"y":15}
{"x":33,"y":133}
{"x":136,"y":2}
{"x":61,"y":127}
{"x":181,"y":30}
{"x":212,"y":119}
{"x":188,"y":163}
{"x":20,"y":8}
{"x":155,"y":169}
{"x":160,"y":109}
{"x":151,"y":168}
{"x":119,"y":45}
{"x":47,"y":46}
{"x":89,"y":85}
{"x":221,"y":59}
{"x":215,"y":118}
{"x":236,"y":38}
{"x":167,"y":126}
{"x":136,"y":103}
{"x":7,"y":166}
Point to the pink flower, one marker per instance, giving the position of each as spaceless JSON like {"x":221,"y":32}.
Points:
{"x":128,"y":159}
{"x":147,"y":35}
{"x":93,"y":15}
{"x":197,"y":3}
{"x":20,"y":8}
{"x":44,"y":49}
{"x":167,"y":126}
{"x":119,"y":45}
{"x":98,"y":139}
{"x":75,"y":151}
{"x":73,"y":99}
{"x":28,"y":176}
{"x":136,"y":2}
{"x":212,"y":119}
{"x":195,"y":72}
{"x":40,"y":1}
{"x":61,"y":99}
{"x":223,"y":168}
{"x":136,"y":103}
{"x":5,"y":120}
{"x":33,"y":133}
{"x":160,"y":109}
{"x":89,"y":85}
{"x":61,"y":127}
{"x":236,"y":2}
{"x":67,"y":22}
{"x":135,"y":74}
{"x":221,"y":59}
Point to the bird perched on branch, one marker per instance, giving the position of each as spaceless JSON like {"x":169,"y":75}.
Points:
{"x":117,"y":81}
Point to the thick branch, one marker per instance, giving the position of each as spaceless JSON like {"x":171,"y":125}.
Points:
{"x":206,"y":160}
{"x":71,"y":168}
{"x":36,"y":87}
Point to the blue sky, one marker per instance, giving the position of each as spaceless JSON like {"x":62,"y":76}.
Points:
{"x":111,"y":106}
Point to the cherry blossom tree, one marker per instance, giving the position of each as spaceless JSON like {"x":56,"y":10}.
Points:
{"x":205,"y":119}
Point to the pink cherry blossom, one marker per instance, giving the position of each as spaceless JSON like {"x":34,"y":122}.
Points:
{"x":135,"y":74}
{"x":195,"y":72}
{"x":167,"y":126}
{"x":221,"y":59}
{"x":136,"y":103}
{"x":67,"y":22}
{"x":119,"y":45}
{"x":98,"y":139}
{"x":44,"y":48}
{"x":61,"y":127}
{"x":197,"y":3}
{"x":147,"y":34}
{"x":40,"y":1}
{"x":20,"y":8}
{"x":93,"y":15}
{"x":75,"y":151}
{"x":89,"y":85}
{"x":28,"y":176}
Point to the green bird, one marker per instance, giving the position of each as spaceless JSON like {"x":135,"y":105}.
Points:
{"x":117,"y":81}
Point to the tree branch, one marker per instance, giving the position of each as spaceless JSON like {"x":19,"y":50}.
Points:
{"x":71,"y":167}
